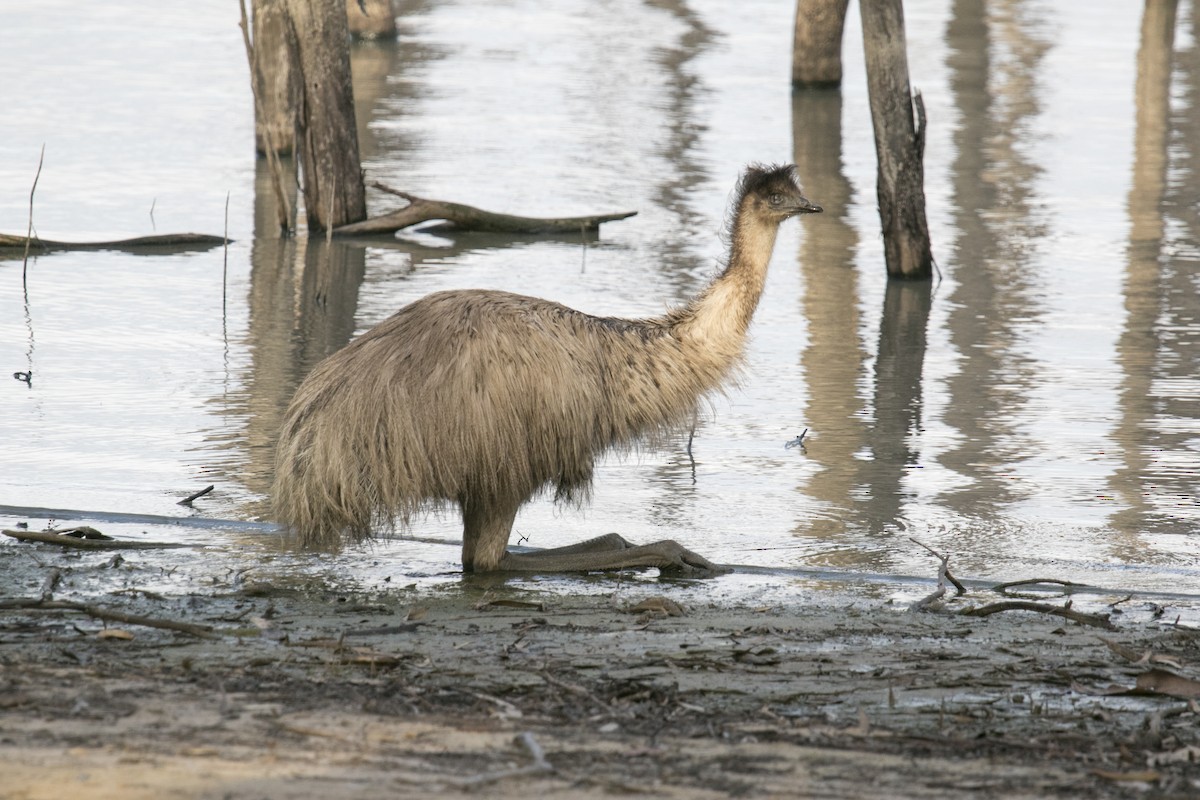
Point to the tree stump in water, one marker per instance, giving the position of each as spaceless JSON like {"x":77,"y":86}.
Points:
{"x":274,"y":78}
{"x":326,"y":136}
{"x":899,"y":142}
{"x":817,"y":43}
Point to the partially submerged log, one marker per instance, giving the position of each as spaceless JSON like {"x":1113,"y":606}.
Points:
{"x":85,"y":538}
{"x":171,"y":241}
{"x":469,"y":218}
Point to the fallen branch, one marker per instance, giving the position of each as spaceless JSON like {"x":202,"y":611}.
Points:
{"x":1094,"y":620}
{"x":83,"y":540}
{"x":175,"y":241}
{"x":469,"y":218}
{"x":109,"y":615}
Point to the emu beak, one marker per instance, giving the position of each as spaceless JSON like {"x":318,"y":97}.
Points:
{"x":806,"y":206}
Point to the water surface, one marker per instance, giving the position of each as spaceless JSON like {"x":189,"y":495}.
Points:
{"x":1031,"y":413}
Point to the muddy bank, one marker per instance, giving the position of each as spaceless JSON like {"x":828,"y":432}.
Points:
{"x":475,"y":688}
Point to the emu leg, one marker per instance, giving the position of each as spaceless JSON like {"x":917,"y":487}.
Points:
{"x":613,"y":552}
{"x":486,"y":529}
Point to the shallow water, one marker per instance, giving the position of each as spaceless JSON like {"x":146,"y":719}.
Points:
{"x":1032,"y":414}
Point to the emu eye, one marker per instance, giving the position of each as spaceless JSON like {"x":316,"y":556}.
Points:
{"x":776,"y":199}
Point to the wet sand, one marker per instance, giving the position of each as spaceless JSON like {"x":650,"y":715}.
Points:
{"x":625,"y":688}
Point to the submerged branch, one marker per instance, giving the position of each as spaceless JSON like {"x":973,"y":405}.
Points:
{"x":83,"y":540}
{"x":179,"y":241}
{"x":469,"y":218}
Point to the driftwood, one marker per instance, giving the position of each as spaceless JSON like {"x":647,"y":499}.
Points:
{"x":178,"y":241}
{"x":469,"y":218}
{"x":82,"y":539}
{"x":1094,"y":620}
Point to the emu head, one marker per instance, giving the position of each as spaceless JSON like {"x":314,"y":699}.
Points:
{"x":774,"y":192}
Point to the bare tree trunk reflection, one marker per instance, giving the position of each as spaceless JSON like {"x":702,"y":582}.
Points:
{"x":1139,"y":345}
{"x":833,"y":359}
{"x":995,"y":53}
{"x":302,"y":302}
{"x":898,"y":368}
{"x":371,"y":62}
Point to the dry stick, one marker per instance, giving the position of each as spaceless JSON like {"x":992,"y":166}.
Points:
{"x":29,"y":230}
{"x":110,"y":615}
{"x":225,"y":264}
{"x":187,"y":501}
{"x":1095,"y":620}
{"x":540,"y":765}
{"x":943,"y":576}
{"x":272,"y":154}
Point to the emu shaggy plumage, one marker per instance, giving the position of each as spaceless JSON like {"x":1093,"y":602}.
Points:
{"x":485,"y":398}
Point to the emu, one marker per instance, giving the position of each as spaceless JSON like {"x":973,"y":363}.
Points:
{"x":485,"y":398}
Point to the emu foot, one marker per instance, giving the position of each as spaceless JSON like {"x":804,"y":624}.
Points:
{"x":681,"y":562}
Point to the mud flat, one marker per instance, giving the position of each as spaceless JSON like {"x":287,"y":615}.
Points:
{"x":599,"y":688}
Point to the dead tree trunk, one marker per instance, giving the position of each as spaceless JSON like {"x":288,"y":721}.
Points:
{"x":274,"y":79}
{"x":899,"y":141}
{"x":326,"y":136}
{"x":817,"y":44}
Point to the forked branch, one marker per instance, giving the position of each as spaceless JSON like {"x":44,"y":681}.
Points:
{"x":469,"y":218}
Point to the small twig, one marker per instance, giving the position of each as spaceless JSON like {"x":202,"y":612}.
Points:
{"x":387,"y":630}
{"x":575,"y":689}
{"x":224,"y":265}
{"x":1094,"y":620}
{"x":535,"y":751}
{"x":540,"y":765}
{"x":799,"y":442}
{"x":187,"y":501}
{"x":110,"y":615}
{"x":29,"y":230}
{"x":383,"y":187}
{"x":133,"y":591}
{"x":943,"y":576}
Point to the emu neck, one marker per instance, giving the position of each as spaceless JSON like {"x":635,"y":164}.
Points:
{"x":720,"y":315}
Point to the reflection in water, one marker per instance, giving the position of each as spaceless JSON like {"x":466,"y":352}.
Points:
{"x":1159,"y":347}
{"x":682,"y":173}
{"x":521,"y":106}
{"x":301,"y":307}
{"x":895,"y":436}
{"x":834,"y":358}
{"x":995,"y":53}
